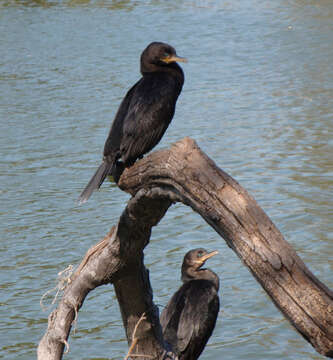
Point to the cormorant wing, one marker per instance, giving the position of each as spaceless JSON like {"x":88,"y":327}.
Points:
{"x":169,"y":318}
{"x":150,"y":111}
{"x":198,"y":318}
{"x":113,"y":140}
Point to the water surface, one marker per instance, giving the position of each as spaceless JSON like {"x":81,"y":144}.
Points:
{"x":257,"y":99}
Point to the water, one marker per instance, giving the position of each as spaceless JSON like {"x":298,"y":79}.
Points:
{"x":257,"y":98}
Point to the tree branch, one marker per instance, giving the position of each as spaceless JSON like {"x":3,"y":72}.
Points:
{"x":184,"y":173}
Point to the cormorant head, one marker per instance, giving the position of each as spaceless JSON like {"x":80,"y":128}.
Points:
{"x":193,"y":261}
{"x":158,"y":54}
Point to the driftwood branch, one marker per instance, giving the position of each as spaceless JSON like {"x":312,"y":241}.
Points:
{"x":184,"y":173}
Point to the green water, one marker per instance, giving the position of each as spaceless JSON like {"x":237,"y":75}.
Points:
{"x":257,"y":99}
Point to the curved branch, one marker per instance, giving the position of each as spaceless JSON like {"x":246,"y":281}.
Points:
{"x":184,"y":173}
{"x":118,"y":259}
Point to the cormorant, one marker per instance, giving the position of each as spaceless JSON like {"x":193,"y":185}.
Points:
{"x":143,"y":115}
{"x":190,"y":316}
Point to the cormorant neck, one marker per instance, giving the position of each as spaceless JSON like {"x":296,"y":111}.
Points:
{"x":191,"y":273}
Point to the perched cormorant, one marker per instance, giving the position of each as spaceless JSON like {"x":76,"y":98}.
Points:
{"x":190,"y":316}
{"x":143,"y":115}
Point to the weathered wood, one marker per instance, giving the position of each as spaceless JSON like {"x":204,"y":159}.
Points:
{"x":184,"y":173}
{"x":187,"y":172}
{"x":117,"y":259}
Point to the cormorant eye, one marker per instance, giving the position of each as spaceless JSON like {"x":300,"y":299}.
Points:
{"x":200,"y":253}
{"x":166,"y":54}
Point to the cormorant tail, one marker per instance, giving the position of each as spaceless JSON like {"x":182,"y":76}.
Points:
{"x":96,"y":181}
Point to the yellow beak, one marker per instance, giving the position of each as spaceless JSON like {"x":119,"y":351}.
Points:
{"x":206,"y":257}
{"x":173,"y":58}
{"x":209,"y":255}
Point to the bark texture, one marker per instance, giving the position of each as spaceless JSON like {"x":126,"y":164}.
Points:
{"x":185,"y":174}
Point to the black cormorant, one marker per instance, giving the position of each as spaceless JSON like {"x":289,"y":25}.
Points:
{"x":189,"y":318}
{"x":143,"y":115}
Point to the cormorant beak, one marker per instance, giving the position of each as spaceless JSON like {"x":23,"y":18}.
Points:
{"x":209,"y":255}
{"x":173,"y":58}
{"x":204,"y":258}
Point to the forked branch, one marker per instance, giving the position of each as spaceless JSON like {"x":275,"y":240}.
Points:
{"x":184,"y":173}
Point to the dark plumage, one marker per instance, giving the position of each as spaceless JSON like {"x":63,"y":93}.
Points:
{"x":143,"y":115}
{"x":190,"y":316}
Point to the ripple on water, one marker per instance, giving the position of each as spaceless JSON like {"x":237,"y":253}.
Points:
{"x":257,"y":99}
